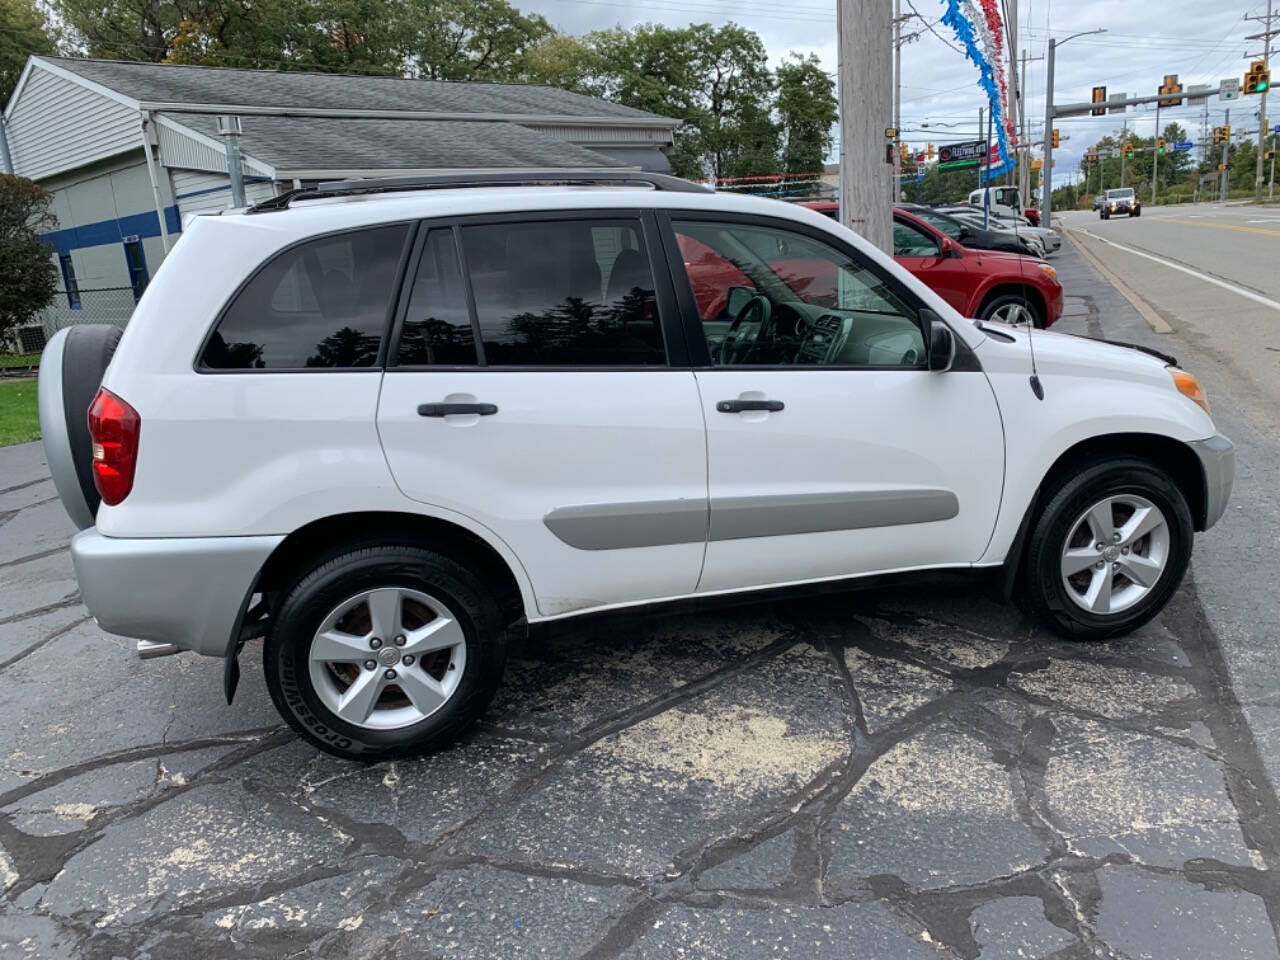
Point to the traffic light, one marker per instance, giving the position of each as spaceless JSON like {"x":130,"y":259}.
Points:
{"x":1056,"y":138}
{"x":1128,"y":150}
{"x":929,"y":152}
{"x":1217,"y":136}
{"x":1099,"y":96}
{"x":1171,"y":85}
{"x":1258,"y":79}
{"x":904,"y":152}
{"x":1226,"y":134}
{"x":1160,"y":145}
{"x":1269,"y":155}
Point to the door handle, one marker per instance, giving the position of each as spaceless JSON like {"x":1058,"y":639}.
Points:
{"x":739,"y":406}
{"x":450,"y":409}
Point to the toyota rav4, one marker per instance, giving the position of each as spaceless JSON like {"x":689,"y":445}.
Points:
{"x":383,"y":425}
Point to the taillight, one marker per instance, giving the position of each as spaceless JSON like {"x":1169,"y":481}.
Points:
{"x":114,"y":427}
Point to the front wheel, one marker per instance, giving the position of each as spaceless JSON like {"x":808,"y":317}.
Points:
{"x":1013,"y":309}
{"x":385,"y":652}
{"x":1108,"y":549}
{"x":1136,"y":213}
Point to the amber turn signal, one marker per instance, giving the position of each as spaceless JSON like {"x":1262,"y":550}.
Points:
{"x":1190,"y":387}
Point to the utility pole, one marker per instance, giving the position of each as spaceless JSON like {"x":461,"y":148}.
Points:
{"x":1124,"y":146}
{"x":982,"y":130}
{"x":1265,"y":37}
{"x":1155,"y":156}
{"x":866,"y":101}
{"x":1046,"y":172}
{"x":897,"y":98}
{"x":1011,"y":45}
{"x":1226,"y":145}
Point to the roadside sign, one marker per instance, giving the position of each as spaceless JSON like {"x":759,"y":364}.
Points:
{"x":1197,"y":88}
{"x":1276,"y":128}
{"x":1117,"y":96}
{"x":1183,"y":145}
{"x":970,"y":151}
{"x":1230,"y":89}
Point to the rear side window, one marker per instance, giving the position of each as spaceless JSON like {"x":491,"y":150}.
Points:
{"x":437,"y":325}
{"x":322,"y":304}
{"x":564,"y":293}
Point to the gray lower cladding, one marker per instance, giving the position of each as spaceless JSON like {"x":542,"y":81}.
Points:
{"x":1218,"y":462}
{"x":186,"y":591}
{"x":616,"y":526}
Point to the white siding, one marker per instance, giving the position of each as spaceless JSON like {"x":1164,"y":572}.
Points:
{"x":58,"y":125}
{"x":199,"y":192}
{"x":185,"y":152}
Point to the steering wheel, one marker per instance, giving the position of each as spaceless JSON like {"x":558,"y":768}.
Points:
{"x":734,"y":349}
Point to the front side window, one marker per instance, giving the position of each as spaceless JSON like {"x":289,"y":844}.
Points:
{"x":320,"y":304}
{"x":564,"y":293}
{"x":910,"y":241}
{"x":952,"y":228}
{"x":769,"y":295}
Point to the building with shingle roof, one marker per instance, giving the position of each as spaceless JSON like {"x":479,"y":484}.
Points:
{"x":129,"y":150}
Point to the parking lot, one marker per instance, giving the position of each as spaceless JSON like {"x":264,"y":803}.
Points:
{"x":877,"y":774}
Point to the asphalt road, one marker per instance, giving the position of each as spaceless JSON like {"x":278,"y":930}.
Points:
{"x":876,"y":775}
{"x":1214,"y":281}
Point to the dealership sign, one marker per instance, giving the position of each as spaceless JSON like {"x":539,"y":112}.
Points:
{"x":968,"y":153}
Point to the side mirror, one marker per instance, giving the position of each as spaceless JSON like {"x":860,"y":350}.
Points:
{"x":942,"y":343}
{"x":950,"y":248}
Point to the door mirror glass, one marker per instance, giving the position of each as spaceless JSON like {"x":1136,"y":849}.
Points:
{"x":738,"y":298}
{"x":942,"y":344}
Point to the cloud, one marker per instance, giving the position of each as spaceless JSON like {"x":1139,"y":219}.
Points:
{"x":1144,"y":41}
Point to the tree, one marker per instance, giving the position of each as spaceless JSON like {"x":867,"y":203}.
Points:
{"x":23,"y":31}
{"x":806,"y":113}
{"x":28,"y":276}
{"x":564,"y":61}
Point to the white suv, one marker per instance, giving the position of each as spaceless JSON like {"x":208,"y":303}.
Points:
{"x":384,"y":424}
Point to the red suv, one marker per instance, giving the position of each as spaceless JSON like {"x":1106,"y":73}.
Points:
{"x":987,"y":284}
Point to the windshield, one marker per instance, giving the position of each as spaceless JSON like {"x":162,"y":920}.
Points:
{"x":1120,"y":194}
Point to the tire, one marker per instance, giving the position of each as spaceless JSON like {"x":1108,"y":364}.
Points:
{"x":1136,"y":213}
{"x":304,"y":691}
{"x":1006,"y":300}
{"x":1047,"y":591}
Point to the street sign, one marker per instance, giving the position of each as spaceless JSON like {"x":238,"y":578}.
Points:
{"x":1197,"y":88}
{"x":970,"y":151}
{"x":1119,"y":109}
{"x":1230,"y":89}
{"x":1276,"y":128}
{"x":1183,"y":145}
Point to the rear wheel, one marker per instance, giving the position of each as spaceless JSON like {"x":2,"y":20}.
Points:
{"x":385,"y":652}
{"x":1012,"y":308}
{"x":1108,"y":550}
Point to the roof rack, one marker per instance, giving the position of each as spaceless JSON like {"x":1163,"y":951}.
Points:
{"x":494,"y":178}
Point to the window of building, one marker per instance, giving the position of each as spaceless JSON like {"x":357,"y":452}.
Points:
{"x":323,"y":304}
{"x":69,"y":282}
{"x":137,"y":263}
{"x":564,"y":293}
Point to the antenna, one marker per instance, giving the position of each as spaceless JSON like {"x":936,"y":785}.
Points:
{"x":1036,"y":386}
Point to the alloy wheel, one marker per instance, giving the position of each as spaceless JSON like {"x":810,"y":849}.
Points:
{"x":387,"y":658}
{"x":1115,"y":554}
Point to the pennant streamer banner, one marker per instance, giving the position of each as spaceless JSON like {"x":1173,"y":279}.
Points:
{"x":980,"y":30}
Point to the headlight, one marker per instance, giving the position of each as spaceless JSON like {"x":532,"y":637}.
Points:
{"x":1049,"y":272}
{"x":1190,"y":387}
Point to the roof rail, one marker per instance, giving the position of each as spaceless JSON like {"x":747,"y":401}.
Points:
{"x":493,"y":178}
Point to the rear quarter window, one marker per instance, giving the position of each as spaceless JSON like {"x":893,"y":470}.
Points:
{"x":322,"y":304}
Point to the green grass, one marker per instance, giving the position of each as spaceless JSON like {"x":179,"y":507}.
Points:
{"x":19,"y":421}
{"x":19,"y":359}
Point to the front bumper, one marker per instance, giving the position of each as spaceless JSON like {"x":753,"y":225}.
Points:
{"x":186,"y":591}
{"x":1218,"y":462}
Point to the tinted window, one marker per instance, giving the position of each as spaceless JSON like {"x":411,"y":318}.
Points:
{"x":323,"y":303}
{"x":564,"y":293}
{"x":137,"y":263}
{"x":437,"y":325}
{"x":909,"y":241}
{"x":952,"y":228}
{"x":771,"y":296}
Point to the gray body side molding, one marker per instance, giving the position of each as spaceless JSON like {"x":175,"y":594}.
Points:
{"x":616,"y":526}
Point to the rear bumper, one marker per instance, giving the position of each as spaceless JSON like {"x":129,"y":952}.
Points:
{"x":186,"y":591}
{"x":1218,"y":462}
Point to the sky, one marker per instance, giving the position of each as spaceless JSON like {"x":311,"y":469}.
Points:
{"x":1202,"y":43}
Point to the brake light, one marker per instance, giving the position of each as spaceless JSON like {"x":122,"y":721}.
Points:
{"x":114,"y":427}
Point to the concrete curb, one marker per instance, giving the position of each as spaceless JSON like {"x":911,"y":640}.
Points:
{"x":1148,"y":313}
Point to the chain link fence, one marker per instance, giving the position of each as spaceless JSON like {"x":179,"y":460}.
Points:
{"x":112,"y":305}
